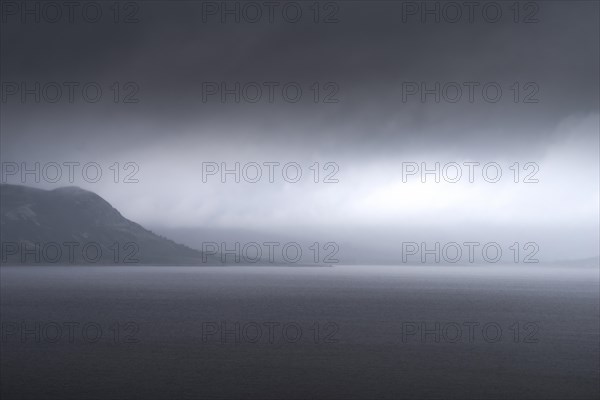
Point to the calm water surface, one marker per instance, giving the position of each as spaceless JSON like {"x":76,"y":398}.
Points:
{"x":265,"y":332}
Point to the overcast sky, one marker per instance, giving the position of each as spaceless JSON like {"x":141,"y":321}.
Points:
{"x":367,"y":66}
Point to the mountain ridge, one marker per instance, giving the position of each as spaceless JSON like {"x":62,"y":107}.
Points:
{"x":71,"y":225}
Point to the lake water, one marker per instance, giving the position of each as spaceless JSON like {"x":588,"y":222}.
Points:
{"x":263,"y":332}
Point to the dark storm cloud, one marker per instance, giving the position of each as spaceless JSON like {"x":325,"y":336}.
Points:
{"x":368,"y":54}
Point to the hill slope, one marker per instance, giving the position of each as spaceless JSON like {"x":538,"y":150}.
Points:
{"x":70,"y":225}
